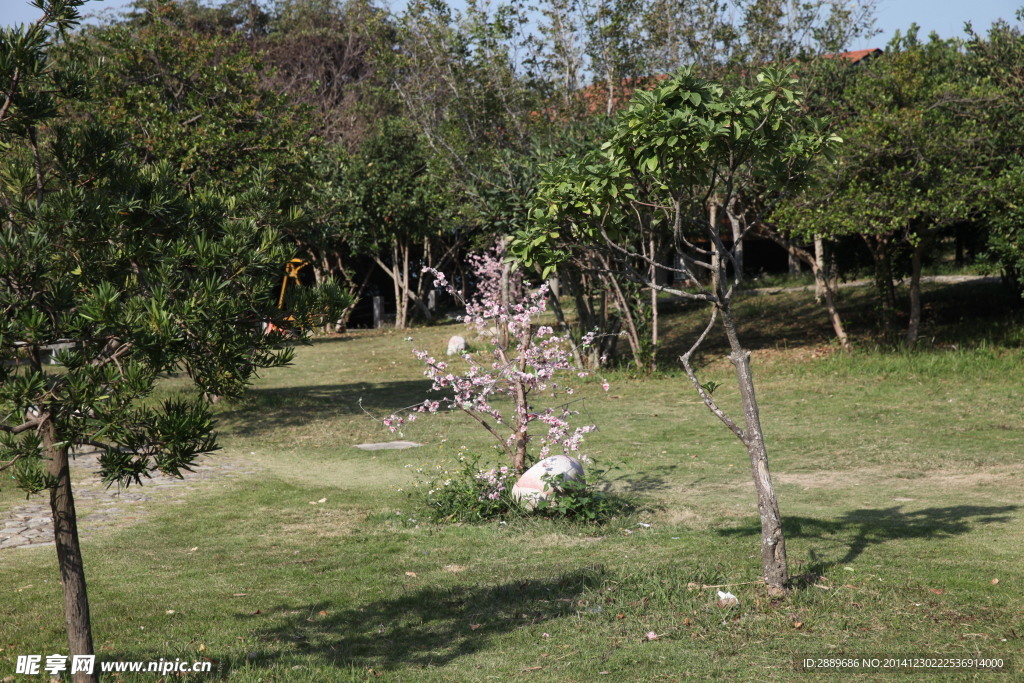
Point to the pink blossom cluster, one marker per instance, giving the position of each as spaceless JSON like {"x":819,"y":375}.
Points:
{"x":497,"y":481}
{"x":526,"y":359}
{"x":561,"y":438}
{"x":487,"y":268}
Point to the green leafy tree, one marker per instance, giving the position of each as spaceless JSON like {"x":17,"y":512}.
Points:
{"x":671,"y":152}
{"x":218,"y":92}
{"x":395,"y":203}
{"x":133,"y":274}
{"x":997,"y":58}
{"x":918,"y":160}
{"x":195,"y":100}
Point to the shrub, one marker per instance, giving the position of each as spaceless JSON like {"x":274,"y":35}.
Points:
{"x":472,"y":493}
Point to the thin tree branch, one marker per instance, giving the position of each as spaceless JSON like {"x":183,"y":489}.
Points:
{"x":24,"y":426}
{"x":708,"y":401}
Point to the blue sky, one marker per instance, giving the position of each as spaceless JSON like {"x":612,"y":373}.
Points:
{"x":946,"y":17}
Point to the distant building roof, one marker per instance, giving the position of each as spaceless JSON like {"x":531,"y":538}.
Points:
{"x":855,"y":56}
{"x":594,"y":97}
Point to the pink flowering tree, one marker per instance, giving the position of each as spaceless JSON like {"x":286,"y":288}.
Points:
{"x":531,"y":360}
{"x":495,"y":280}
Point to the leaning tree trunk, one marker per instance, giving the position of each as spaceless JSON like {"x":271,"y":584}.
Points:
{"x":821,"y":280}
{"x":69,"y":552}
{"x":773,"y":543}
{"x":822,"y":283}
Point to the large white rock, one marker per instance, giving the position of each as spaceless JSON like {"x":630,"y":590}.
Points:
{"x":456,"y":345}
{"x":530,"y":488}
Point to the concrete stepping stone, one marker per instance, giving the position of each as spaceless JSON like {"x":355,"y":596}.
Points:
{"x":388,"y":446}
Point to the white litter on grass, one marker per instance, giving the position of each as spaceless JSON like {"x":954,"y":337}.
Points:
{"x":726,"y":599}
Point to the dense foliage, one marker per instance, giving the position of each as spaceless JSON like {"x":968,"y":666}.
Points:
{"x":124,"y":264}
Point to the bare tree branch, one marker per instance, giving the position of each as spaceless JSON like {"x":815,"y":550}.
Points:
{"x":706,"y":397}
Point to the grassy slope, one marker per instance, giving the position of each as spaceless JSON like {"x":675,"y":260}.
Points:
{"x":898,"y":475}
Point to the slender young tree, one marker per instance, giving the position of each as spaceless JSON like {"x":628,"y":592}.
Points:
{"x":671,"y":151}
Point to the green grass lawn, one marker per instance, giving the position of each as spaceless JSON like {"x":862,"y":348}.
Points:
{"x":899,"y":478}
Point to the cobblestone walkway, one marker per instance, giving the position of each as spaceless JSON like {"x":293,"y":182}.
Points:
{"x":29,"y":525}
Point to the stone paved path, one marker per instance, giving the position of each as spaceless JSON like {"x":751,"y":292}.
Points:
{"x":29,"y":524}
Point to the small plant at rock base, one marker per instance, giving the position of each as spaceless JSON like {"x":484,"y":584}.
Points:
{"x":583,"y":501}
{"x":470,"y":493}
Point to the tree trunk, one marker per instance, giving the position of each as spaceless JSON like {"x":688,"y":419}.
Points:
{"x":632,"y":335}
{"x":504,"y":292}
{"x":396,"y":280}
{"x":716,"y":258}
{"x":422,"y":282}
{"x":833,"y":312}
{"x":914,"y":325}
{"x":610,"y":108}
{"x":821,"y":267}
{"x":69,"y":552}
{"x":556,"y":307}
{"x":399,"y":274}
{"x":884,"y":286}
{"x":773,"y":543}
{"x":737,"y":243}
{"x":824,"y":286}
{"x":822,"y":282}
{"x":405,"y":285}
{"x":654,"y":307}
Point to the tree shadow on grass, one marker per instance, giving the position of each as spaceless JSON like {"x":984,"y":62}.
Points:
{"x":267,"y":409}
{"x":649,"y":481}
{"x":429,"y":626}
{"x":860,"y":529}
